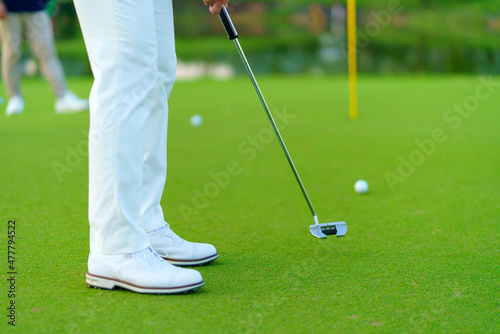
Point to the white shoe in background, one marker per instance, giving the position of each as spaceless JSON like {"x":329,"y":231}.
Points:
{"x":15,"y":106}
{"x":70,"y":103}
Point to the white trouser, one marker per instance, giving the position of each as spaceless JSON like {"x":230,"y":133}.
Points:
{"x":131,"y":48}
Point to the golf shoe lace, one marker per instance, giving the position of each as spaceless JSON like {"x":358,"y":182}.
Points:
{"x":148,"y":254}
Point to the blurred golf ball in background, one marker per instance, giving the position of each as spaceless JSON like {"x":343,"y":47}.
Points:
{"x":361,"y":186}
{"x":30,"y":68}
{"x":196,"y":120}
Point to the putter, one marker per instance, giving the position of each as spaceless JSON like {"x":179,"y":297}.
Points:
{"x":318,"y":230}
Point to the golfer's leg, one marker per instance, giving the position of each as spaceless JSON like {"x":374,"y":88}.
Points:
{"x":170,"y":246}
{"x":40,"y":35}
{"x":155,"y":158}
{"x":121,"y":41}
{"x":11,"y":35}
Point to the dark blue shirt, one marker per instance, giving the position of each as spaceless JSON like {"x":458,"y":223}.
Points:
{"x":25,"y":5}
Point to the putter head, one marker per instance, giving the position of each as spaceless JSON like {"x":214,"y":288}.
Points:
{"x":322,"y":231}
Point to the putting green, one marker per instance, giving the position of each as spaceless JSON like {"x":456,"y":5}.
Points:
{"x":422,"y":249}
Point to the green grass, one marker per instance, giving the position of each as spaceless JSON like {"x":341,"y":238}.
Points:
{"x":422,"y":256}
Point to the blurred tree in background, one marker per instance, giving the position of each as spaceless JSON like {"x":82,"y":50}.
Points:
{"x":395,"y":36}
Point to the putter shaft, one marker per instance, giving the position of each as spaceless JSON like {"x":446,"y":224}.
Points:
{"x":338,"y":228}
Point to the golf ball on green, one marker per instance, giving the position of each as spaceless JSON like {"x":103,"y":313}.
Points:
{"x":361,"y":186}
{"x":196,"y":120}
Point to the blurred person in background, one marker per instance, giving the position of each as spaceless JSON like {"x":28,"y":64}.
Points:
{"x":29,"y":18}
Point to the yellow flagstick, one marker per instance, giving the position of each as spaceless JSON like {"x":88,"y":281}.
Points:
{"x":351,"y":58}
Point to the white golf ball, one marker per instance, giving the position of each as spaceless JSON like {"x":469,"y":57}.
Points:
{"x":196,"y":120}
{"x":361,"y":187}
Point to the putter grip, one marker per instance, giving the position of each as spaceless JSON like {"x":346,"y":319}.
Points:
{"x":228,"y":24}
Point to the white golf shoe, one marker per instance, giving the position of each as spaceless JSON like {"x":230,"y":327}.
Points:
{"x":144,"y":272}
{"x":15,"y":106}
{"x":178,"y":251}
{"x":69,"y":103}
